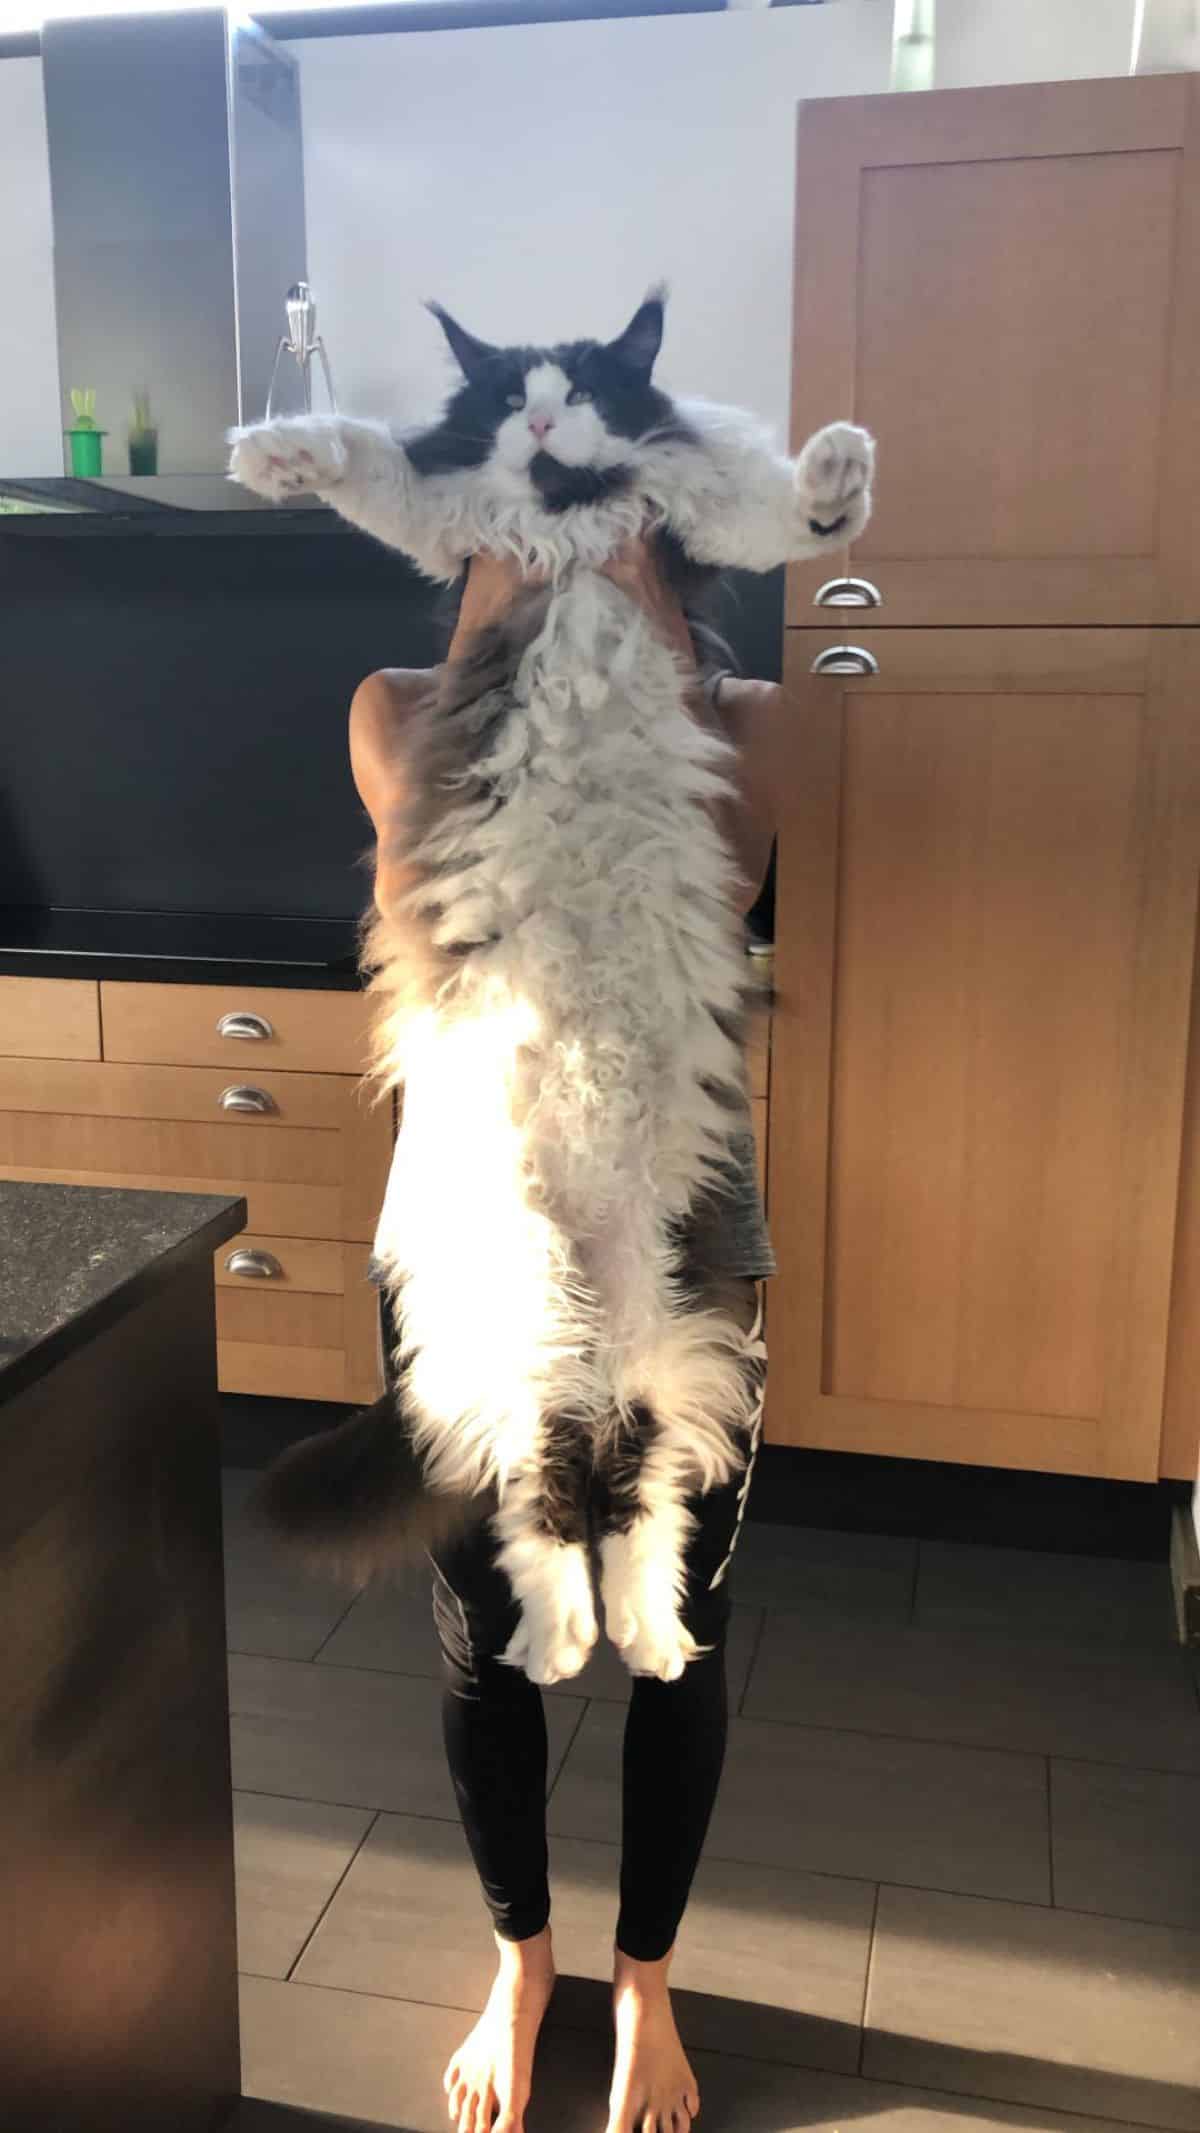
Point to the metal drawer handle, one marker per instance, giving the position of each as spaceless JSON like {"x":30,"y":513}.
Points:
{"x":253,"y":1266}
{"x":848,"y":592}
{"x":245,"y":1025}
{"x":241,"y":1096}
{"x":844,"y":659}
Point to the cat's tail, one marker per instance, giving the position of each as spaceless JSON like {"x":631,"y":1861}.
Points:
{"x":355,"y":1501}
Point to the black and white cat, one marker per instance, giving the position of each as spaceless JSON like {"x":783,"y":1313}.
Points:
{"x":568,"y":1035}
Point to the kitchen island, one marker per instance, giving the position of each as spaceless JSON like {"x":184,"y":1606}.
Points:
{"x":118,"y":1965}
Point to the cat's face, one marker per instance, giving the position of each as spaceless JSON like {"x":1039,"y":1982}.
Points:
{"x":556,"y":415}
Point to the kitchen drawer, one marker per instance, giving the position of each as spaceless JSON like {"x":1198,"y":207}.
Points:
{"x":181,"y":1025}
{"x":49,"y":1018}
{"x":309,"y":1331}
{"x":315,"y":1167}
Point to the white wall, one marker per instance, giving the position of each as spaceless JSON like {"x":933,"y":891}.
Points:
{"x":986,"y":41}
{"x":538,"y":179}
{"x":30,"y":418}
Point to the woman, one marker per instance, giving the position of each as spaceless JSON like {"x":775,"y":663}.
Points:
{"x":494,"y":1725}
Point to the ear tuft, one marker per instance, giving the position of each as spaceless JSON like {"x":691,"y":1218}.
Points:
{"x":637,"y":347}
{"x":469,"y":353}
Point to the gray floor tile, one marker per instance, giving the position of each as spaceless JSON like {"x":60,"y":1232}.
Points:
{"x":1026,"y":1593}
{"x":289,"y":1856}
{"x":271,"y":1607}
{"x":1035,"y":2006}
{"x":254,"y":2116}
{"x":1126,"y":1842}
{"x":392,"y":1629}
{"x":357,"y":1738}
{"x":408,"y":1922}
{"x":378,"y":2063}
{"x":770,"y":1965}
{"x":844,"y":1803}
{"x":827,"y":1577}
{"x":1078,"y":1700}
{"x":739,"y":2096}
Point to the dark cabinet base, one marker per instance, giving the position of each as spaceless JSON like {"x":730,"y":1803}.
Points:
{"x":118,"y":1960}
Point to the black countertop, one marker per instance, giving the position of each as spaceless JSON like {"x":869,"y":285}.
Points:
{"x":73,"y":1258}
{"x":175,"y":947}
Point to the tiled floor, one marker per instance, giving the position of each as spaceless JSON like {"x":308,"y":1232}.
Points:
{"x":952,"y":1880}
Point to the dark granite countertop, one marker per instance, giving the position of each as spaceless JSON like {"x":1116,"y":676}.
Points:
{"x":73,"y":1258}
{"x":176,"y":947}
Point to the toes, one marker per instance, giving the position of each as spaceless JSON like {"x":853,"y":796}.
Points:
{"x":691,"y":2098}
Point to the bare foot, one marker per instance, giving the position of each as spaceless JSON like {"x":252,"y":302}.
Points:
{"x":654,"y":2089}
{"x":488,"y":2080}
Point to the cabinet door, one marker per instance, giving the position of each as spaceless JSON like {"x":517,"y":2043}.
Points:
{"x":1004,"y":285}
{"x":986,"y":910}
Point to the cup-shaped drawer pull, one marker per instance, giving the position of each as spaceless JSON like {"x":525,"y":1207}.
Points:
{"x":253,"y":1265}
{"x":848,"y":592}
{"x":246,"y":1025}
{"x":243,"y":1096}
{"x":845,"y":659}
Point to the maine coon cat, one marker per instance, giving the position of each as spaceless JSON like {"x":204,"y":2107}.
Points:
{"x":560,"y":992}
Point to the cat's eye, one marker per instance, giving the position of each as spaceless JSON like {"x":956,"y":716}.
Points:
{"x":577,"y":395}
{"x":515,"y":400}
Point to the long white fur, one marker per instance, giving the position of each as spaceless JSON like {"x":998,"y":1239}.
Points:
{"x":556,"y":1122}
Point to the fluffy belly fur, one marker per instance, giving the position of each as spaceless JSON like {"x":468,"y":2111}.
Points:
{"x":568,"y":1082}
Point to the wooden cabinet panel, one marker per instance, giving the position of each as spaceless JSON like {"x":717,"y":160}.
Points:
{"x":759,"y":1112}
{"x":49,"y":1018}
{"x":311,"y":1333}
{"x":1181,"y":1412}
{"x":177,"y":1025}
{"x":1004,"y":285}
{"x":758,"y":1052}
{"x":987,"y":900}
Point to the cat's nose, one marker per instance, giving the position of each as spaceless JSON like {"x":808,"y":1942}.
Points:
{"x":541,"y":425}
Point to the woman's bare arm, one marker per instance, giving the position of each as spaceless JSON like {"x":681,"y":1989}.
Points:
{"x":748,"y":714}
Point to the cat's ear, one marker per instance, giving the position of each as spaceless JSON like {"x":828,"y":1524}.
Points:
{"x":637,"y":348}
{"x":468,"y":353}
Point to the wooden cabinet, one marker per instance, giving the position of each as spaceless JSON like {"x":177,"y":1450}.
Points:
{"x":986,"y":916}
{"x":49,"y":1018}
{"x":261,"y":1098}
{"x":1004,"y":285}
{"x":984,"y":1165}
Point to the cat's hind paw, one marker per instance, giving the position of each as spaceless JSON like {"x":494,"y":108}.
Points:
{"x":303,"y":456}
{"x":641,"y":1615}
{"x":556,"y":1634}
{"x":833,"y":481}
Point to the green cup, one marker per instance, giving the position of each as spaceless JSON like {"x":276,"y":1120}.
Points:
{"x":87,"y":452}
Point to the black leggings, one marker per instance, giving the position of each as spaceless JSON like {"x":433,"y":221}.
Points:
{"x":495,"y":1733}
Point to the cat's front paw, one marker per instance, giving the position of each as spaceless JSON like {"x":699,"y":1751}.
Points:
{"x":554,"y":1638}
{"x":833,"y":481}
{"x":304,"y":456}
